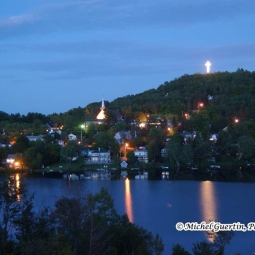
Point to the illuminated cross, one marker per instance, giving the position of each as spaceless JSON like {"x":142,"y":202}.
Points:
{"x":208,"y":64}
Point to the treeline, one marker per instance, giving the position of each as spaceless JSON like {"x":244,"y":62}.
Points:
{"x":78,"y":224}
{"x":224,"y":94}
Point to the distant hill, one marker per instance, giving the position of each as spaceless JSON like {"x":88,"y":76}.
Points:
{"x":224,"y":94}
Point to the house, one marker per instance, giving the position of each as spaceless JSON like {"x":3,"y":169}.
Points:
{"x":213,"y":137}
{"x":188,"y":135}
{"x":142,"y":155}
{"x":100,"y":156}
{"x":122,"y":135}
{"x":13,"y":160}
{"x":72,"y":137}
{"x":34,"y":137}
{"x":54,"y":128}
{"x":5,"y":145}
{"x":86,"y":153}
{"x":164,"y":152}
{"x":123,"y":164}
{"x":60,"y":142}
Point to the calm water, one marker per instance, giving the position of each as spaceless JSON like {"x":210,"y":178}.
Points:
{"x":159,"y":205}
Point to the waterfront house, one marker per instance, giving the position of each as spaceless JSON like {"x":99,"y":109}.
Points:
{"x":13,"y":160}
{"x":142,"y":155}
{"x":100,"y":156}
{"x":123,"y":164}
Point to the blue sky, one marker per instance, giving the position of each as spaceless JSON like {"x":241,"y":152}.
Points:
{"x":56,"y":55}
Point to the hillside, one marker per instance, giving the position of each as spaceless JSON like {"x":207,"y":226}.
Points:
{"x":232,"y":93}
{"x":225,"y":96}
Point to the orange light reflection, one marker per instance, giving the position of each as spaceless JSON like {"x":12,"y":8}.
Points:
{"x":128,"y":200}
{"x":208,"y":202}
{"x":17,"y":184}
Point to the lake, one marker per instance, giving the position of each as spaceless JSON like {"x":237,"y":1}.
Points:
{"x":159,"y":205}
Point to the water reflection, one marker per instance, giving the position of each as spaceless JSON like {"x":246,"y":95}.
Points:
{"x":208,"y":202}
{"x":128,"y":200}
{"x":14,"y":186}
{"x":17,"y":184}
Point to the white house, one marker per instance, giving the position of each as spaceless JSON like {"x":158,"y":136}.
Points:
{"x":100,"y":156}
{"x":5,"y":145}
{"x":142,"y":155}
{"x":34,"y":137}
{"x":13,"y":160}
{"x":122,"y":135}
{"x":72,"y":137}
{"x":123,"y":164}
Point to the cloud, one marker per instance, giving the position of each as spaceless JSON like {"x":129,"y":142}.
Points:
{"x":15,"y":21}
{"x":111,"y":14}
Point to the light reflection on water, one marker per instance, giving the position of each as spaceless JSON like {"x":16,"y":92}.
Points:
{"x":14,"y":186}
{"x":128,"y":201}
{"x":17,"y":184}
{"x":208,"y":202}
{"x":226,"y":202}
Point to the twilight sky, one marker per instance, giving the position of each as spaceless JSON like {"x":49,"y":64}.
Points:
{"x":56,"y":55}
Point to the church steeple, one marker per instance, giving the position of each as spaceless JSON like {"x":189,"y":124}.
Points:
{"x":103,"y":106}
{"x":101,"y":115}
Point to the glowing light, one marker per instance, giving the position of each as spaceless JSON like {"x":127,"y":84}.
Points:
{"x":101,"y":115}
{"x":128,"y":201}
{"x":208,"y":65}
{"x":142,"y":125}
{"x":200,"y":105}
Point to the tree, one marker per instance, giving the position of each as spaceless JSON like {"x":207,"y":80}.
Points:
{"x":179,"y":250}
{"x":217,"y":245}
{"x":131,"y":159}
{"x":155,"y":141}
{"x":106,"y":141}
{"x":201,"y":148}
{"x":32,"y":159}
{"x":22,"y":143}
{"x":178,"y":151}
{"x":68,"y":152}
{"x":246,"y":147}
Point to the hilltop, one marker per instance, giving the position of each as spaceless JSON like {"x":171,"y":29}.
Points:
{"x":224,"y":95}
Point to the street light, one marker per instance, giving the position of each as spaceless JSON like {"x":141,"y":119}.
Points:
{"x":199,"y":106}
